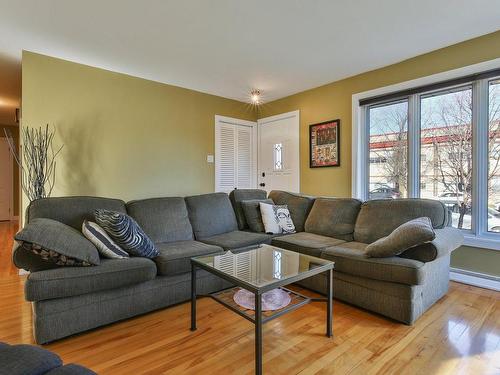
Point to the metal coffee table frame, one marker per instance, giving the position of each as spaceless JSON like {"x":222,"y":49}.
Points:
{"x":258,"y":319}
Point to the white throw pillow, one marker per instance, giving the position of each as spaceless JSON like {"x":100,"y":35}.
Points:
{"x":105,"y":245}
{"x":276,"y":218}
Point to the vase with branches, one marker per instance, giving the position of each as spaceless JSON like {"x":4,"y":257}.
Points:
{"x":38,"y":161}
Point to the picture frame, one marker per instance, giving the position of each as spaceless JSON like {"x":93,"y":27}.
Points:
{"x":324,"y":144}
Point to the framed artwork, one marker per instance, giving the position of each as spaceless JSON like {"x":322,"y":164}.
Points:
{"x":324,"y":144}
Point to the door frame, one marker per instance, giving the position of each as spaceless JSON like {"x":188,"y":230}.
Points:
{"x":282,"y":116}
{"x":219,"y":120}
{"x":10,"y":172}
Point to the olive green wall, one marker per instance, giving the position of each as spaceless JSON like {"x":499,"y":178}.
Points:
{"x":478,"y":260}
{"x":123,"y":136}
{"x":334,"y":100}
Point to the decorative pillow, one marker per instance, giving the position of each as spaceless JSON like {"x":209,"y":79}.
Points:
{"x":251,"y":210}
{"x":126,"y":233}
{"x":24,"y":258}
{"x":412,"y":233}
{"x":57,"y":243}
{"x":105,"y":245}
{"x":276,"y":218}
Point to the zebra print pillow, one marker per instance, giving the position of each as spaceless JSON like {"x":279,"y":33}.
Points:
{"x":126,"y":233}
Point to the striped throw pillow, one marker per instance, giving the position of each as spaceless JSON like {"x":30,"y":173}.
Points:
{"x":126,"y":233}
{"x":105,"y":245}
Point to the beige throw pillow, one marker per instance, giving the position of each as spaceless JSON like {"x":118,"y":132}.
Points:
{"x":412,"y":233}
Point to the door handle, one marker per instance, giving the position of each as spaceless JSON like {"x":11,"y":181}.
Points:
{"x":262,"y":184}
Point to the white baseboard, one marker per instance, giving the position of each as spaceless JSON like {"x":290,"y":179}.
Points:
{"x":475,"y":278}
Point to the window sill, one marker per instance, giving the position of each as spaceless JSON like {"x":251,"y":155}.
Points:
{"x":485,"y":242}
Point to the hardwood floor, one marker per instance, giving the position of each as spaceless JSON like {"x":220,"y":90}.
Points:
{"x":7,"y":231}
{"x":458,"y":335}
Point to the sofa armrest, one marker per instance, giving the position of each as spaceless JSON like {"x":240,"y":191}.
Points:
{"x":447,"y":240}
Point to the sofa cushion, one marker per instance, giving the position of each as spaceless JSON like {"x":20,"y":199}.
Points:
{"x":333,"y":217}
{"x":71,"y":211}
{"x":175,"y":257}
{"x":57,"y":243}
{"x":410,"y":234}
{"x":26,"y":360}
{"x":211,"y":214}
{"x":71,"y":369}
{"x":238,"y":239}
{"x":162,"y":219}
{"x":298,"y":205}
{"x":349,"y":258}
{"x":126,"y":233}
{"x":253,"y":216}
{"x":306,"y":243}
{"x":74,"y":281}
{"x":374,"y":222}
{"x":237,"y":196}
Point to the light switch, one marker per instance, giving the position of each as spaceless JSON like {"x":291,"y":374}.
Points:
{"x":210,"y":158}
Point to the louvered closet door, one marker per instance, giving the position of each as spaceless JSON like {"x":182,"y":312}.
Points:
{"x":244,"y":157}
{"x":235,"y":156}
{"x":225,"y":163}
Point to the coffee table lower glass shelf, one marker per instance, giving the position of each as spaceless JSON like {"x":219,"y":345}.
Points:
{"x":225,"y":297}
{"x":261,"y":270}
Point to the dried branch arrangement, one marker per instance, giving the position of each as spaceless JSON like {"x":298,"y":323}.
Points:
{"x":38,"y":164}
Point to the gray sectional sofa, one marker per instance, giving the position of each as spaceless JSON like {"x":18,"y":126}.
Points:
{"x":70,"y":300}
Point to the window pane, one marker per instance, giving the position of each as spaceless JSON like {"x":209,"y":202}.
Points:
{"x":388,"y":171}
{"x":494,"y":157}
{"x":446,"y":142}
{"x":277,"y":156}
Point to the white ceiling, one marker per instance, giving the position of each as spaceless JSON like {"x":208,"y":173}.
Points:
{"x":228,"y":47}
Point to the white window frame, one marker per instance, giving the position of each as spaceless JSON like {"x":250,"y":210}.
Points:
{"x":478,"y":236}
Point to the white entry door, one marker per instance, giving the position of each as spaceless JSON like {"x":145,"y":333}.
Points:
{"x":5,"y":180}
{"x":279,"y":155}
{"x":235,"y":154}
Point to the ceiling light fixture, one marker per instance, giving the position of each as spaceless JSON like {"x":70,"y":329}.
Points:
{"x":255,"y":97}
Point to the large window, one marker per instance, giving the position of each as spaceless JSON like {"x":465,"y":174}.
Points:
{"x":442,"y":142}
{"x":388,"y":150}
{"x":446,"y":142}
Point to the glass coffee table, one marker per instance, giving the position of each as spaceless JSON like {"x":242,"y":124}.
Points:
{"x":261,"y":270}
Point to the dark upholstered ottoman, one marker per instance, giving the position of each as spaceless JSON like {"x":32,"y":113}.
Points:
{"x":32,"y":360}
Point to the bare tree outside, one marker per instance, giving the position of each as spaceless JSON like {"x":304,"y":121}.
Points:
{"x":446,"y":123}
